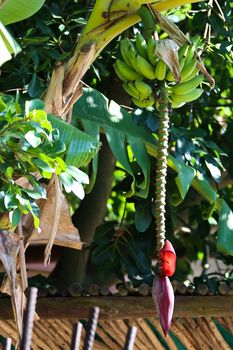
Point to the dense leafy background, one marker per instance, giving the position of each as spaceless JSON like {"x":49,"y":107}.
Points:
{"x":201,"y":135}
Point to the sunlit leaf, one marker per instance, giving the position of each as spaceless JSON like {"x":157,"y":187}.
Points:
{"x":78,"y":175}
{"x":32,"y":139}
{"x":119,"y":129}
{"x":8,"y":44}
{"x":225,"y":229}
{"x":185,"y":176}
{"x":81,"y":147}
{"x":16,"y":10}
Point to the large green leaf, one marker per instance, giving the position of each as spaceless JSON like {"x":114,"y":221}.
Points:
{"x":120,"y":130}
{"x":95,"y":107}
{"x":81,"y":147}
{"x":12,"y":11}
{"x":94,"y":132}
{"x":225,"y":229}
{"x":143,"y":160}
{"x":8,"y":45}
{"x":117,"y":143}
{"x":185,"y":176}
{"x":201,"y":185}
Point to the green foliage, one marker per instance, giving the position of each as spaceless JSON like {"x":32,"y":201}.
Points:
{"x":121,"y":250}
{"x":33,"y":149}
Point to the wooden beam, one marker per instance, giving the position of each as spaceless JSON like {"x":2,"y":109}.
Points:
{"x":116,"y":307}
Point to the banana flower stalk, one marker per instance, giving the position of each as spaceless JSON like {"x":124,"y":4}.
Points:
{"x":162,"y":292}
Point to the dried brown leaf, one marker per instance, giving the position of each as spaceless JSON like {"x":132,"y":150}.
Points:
{"x":169,"y":27}
{"x":22,"y":261}
{"x":167,"y":50}
{"x":66,"y":234}
{"x":56,"y":216}
{"x":9,"y":250}
{"x":203,"y":69}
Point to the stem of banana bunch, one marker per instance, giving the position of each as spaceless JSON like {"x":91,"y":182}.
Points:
{"x":161,"y":171}
{"x":148,"y":20}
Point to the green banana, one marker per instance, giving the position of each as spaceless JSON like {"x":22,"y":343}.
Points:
{"x":125,"y":44}
{"x":183,"y":51}
{"x":133,"y":88}
{"x":177,"y":105}
{"x":130,"y":91}
{"x":144,"y":103}
{"x":160,"y":70}
{"x":144,"y":89}
{"x":145,"y":68}
{"x":133,"y":59}
{"x":187,"y":97}
{"x":192,"y":75}
{"x":188,"y":69}
{"x":141,"y":45}
{"x":119,"y":74}
{"x":126,"y":71}
{"x":190,"y":53}
{"x":151,"y":46}
{"x":189,"y":85}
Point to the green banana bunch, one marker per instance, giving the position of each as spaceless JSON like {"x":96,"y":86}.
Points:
{"x":138,"y":89}
{"x":135,"y":57}
{"x":187,"y":89}
{"x":148,"y":102}
{"x":141,"y":93}
{"x":139,"y":62}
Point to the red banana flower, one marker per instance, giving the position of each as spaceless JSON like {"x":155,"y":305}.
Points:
{"x":167,"y":259}
{"x":163,"y":297}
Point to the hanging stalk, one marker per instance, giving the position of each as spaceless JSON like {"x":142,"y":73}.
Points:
{"x":161,"y":171}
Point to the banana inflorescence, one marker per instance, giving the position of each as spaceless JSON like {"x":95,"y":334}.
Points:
{"x":141,"y":69}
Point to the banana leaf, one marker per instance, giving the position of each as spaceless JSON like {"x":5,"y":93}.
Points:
{"x":94,"y":132}
{"x":8,"y":45}
{"x":80,"y":147}
{"x":120,"y":131}
{"x":225,"y":229}
{"x":12,"y":11}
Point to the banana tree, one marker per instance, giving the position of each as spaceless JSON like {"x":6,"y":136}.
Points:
{"x":108,"y":20}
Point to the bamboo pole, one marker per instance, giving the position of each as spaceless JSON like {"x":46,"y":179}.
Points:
{"x":114,"y":307}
